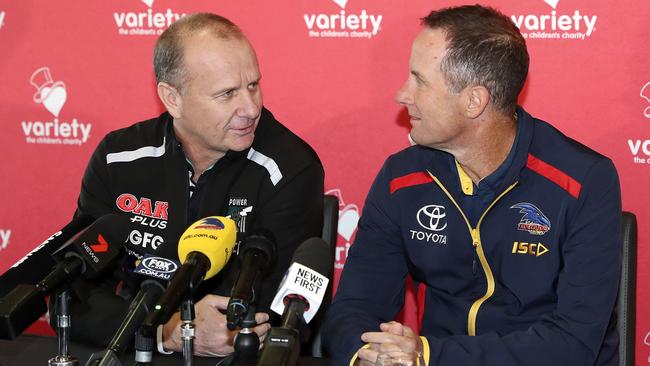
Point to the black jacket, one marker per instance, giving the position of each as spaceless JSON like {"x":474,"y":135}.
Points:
{"x":142,"y":171}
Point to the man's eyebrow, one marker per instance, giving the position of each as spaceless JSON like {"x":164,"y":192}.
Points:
{"x":418,"y":76}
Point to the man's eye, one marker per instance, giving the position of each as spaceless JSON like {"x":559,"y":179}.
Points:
{"x":253,"y":86}
{"x":228,"y":94}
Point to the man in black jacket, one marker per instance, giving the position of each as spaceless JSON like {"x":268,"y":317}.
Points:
{"x":215,"y":151}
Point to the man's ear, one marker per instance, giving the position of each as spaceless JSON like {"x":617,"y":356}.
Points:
{"x":477,"y":98}
{"x":171,"y":98}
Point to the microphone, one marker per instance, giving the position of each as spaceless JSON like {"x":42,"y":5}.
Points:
{"x":35,"y":265}
{"x":257,"y":254}
{"x":298,"y":298}
{"x":204,"y":249}
{"x":88,"y":254}
{"x":150,"y":291}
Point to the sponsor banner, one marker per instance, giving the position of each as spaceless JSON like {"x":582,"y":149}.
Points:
{"x":559,"y":22}
{"x":347,"y":228}
{"x":341,"y":22}
{"x":52,"y":130}
{"x":5,"y":235}
{"x":145,"y":19}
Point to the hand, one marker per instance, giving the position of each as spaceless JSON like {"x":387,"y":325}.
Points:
{"x":212,"y":337}
{"x":393,"y":337}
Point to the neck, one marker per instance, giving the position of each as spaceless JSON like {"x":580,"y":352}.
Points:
{"x":488,"y":149}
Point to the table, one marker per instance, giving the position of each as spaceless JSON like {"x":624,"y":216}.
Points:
{"x":37,"y":350}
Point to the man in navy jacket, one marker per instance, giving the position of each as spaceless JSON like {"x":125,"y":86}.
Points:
{"x":509,"y":228}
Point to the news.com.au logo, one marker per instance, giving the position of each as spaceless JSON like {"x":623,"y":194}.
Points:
{"x":52,"y":95}
{"x":5,"y":235}
{"x":347,"y":227}
{"x":145,"y":23}
{"x":556,"y":24}
{"x":343,"y":24}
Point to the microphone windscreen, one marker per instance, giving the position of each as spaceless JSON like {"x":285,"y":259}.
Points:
{"x":315,"y":253}
{"x":213,"y":236}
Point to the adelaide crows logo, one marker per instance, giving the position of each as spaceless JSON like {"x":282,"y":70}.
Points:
{"x":533,"y":219}
{"x":210,"y":223}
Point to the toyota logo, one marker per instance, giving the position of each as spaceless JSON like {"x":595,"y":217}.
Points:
{"x":432,"y":217}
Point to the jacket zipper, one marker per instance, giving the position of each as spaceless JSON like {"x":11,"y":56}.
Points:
{"x":478,"y":251}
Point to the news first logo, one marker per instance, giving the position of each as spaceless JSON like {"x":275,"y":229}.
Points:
{"x":557,"y":24}
{"x":145,"y":23}
{"x":640,"y":149}
{"x":347,"y":227}
{"x":343,"y":24}
{"x":53,"y":95}
{"x":5,"y":235}
{"x":305,"y":282}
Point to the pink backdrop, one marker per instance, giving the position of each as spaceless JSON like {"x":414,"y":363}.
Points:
{"x":333,"y":82}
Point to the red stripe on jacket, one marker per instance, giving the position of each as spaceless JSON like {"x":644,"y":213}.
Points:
{"x":554,"y":175}
{"x":408,"y":180}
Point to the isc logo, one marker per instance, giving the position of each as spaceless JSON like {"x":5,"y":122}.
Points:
{"x":535,"y":249}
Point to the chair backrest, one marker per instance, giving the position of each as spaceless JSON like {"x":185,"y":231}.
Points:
{"x":626,"y":303}
{"x":330,"y":224}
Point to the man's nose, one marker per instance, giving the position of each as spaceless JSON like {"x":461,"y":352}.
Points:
{"x":404,"y":95}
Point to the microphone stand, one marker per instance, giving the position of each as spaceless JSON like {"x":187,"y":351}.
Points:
{"x":63,"y":332}
{"x":144,"y":347}
{"x":187,"y":330}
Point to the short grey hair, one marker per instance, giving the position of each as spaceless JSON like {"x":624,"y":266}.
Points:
{"x":484,"y":48}
{"x":168,"y":53}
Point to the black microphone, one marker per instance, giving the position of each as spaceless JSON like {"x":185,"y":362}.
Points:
{"x":298,"y":298}
{"x":36,"y":264}
{"x":90,"y":253}
{"x":204,"y":249}
{"x":144,"y":300}
{"x":258,"y":253}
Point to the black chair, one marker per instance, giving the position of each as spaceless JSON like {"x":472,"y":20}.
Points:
{"x":330,"y":224}
{"x":626,"y":303}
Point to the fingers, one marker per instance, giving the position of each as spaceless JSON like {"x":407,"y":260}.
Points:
{"x":261,"y":318}
{"x":392,"y":327}
{"x":219,"y":302}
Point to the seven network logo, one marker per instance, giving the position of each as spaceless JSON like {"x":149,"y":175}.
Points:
{"x":53,"y":95}
{"x":146,"y":23}
{"x":637,"y":146}
{"x":342,"y":24}
{"x":556,"y":24}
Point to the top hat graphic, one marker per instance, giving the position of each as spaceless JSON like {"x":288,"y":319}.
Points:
{"x":42,"y":80}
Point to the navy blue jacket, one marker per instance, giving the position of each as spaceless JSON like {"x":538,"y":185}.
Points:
{"x":532,"y":282}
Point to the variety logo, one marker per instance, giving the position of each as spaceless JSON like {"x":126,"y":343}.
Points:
{"x":5,"y":234}
{"x":431,"y":218}
{"x":645,"y":94}
{"x":556,"y":24}
{"x":53,"y":95}
{"x":637,"y":146}
{"x":533,"y":220}
{"x":145,"y":23}
{"x":2,"y":18}
{"x":347,"y":226}
{"x":211,"y":223}
{"x":535,"y":249}
{"x":343,"y":24}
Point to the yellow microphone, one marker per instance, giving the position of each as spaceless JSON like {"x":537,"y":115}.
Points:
{"x":214,"y":237}
{"x":203,"y":249}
